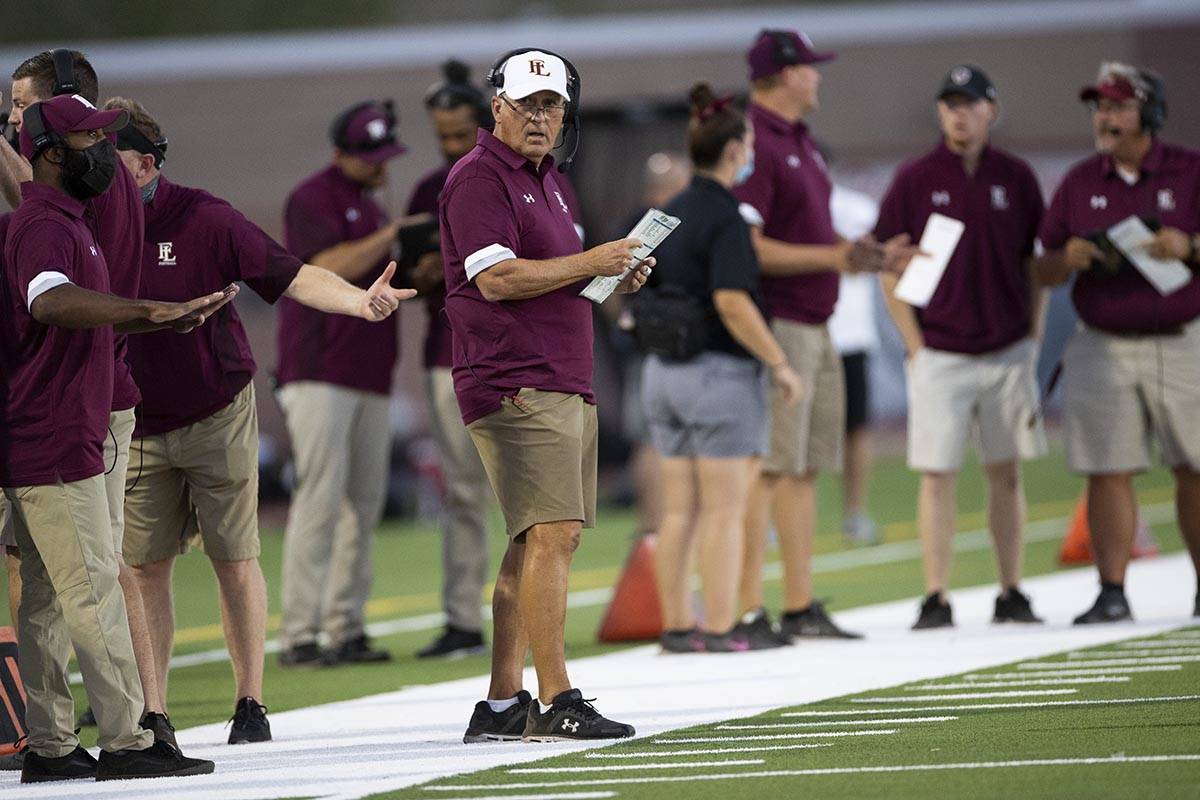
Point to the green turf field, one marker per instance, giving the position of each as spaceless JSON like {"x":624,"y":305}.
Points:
{"x":408,"y":578}
{"x":1104,"y":739}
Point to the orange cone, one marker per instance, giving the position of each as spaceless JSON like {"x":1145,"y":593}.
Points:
{"x":12,"y":694}
{"x":634,"y":614}
{"x":1077,"y":544}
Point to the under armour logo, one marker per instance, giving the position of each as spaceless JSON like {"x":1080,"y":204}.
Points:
{"x":528,"y":198}
{"x":568,"y":725}
{"x":999,"y":198}
{"x":941,"y":198}
{"x":1099,"y":202}
{"x":166,"y":258}
{"x":92,"y":247}
{"x":536,"y":65}
{"x":1166,"y":200}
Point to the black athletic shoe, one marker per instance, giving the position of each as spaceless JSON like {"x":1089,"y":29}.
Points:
{"x":571,"y":717}
{"x":302,"y":655}
{"x":760,"y":631}
{"x":722,"y":643}
{"x":1012,"y":606}
{"x":813,"y":623}
{"x":160,"y":725}
{"x":159,"y":760}
{"x":357,"y":651}
{"x":679,"y":642}
{"x":250,"y":722}
{"x":1110,"y":606}
{"x":76,"y":765}
{"x":1196,"y":610}
{"x":454,"y":643}
{"x":935,"y":613}
{"x":87,"y":719}
{"x":498,"y":726}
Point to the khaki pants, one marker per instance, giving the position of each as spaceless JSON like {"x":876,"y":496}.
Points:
{"x":70,"y":596}
{"x":468,"y":497}
{"x":808,"y":437}
{"x":341,"y":443}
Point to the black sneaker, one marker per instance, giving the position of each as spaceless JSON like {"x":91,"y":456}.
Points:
{"x":455,"y":643}
{"x":722,"y":642}
{"x":159,"y":760}
{"x":160,"y":725}
{"x":1013,"y":606}
{"x":498,"y":726}
{"x":87,"y":719}
{"x":250,"y":722}
{"x":571,"y":717}
{"x":757,"y":628}
{"x":679,"y":642}
{"x":357,"y":651}
{"x":75,"y":765}
{"x":935,"y":613}
{"x":302,"y":655}
{"x":814,"y":623}
{"x":1110,"y":606}
{"x":1196,"y":610}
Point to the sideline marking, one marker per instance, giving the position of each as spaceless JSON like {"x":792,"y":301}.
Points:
{"x":1004,"y":684}
{"x":1090,"y":670}
{"x":981,"y":706}
{"x":615,"y":767}
{"x":708,"y":751}
{"x":902,"y":720}
{"x":968,"y":696}
{"x":1106,"y":662}
{"x":821,"y":735}
{"x":1182,"y":651}
{"x":566,"y":796}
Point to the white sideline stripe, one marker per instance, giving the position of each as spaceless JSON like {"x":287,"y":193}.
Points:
{"x":1091,"y":670}
{"x":925,"y":687}
{"x":1159,"y":643}
{"x":1106,"y":662}
{"x":564,"y":796}
{"x":615,"y":767}
{"x":899,"y":721}
{"x":969,"y":696}
{"x":1182,"y":651}
{"x":709,"y":751}
{"x":773,"y":737}
{"x":987,"y":706}
{"x":790,"y":773}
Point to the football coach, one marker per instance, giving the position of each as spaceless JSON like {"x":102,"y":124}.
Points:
{"x":522,"y":375}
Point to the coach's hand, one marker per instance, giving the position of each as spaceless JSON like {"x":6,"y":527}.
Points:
{"x":788,"y":382}
{"x":381,"y":299}
{"x":183,"y":317}
{"x":636,"y":279}
{"x":898,"y":251}
{"x":1170,"y":243}
{"x":862,"y":255}
{"x":611,"y":258}
{"x":1079,"y":254}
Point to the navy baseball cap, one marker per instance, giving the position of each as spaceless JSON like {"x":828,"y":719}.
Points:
{"x":775,"y":49}
{"x":968,"y":81}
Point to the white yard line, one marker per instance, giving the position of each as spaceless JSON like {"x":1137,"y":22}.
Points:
{"x":1189,"y":651}
{"x":1158,"y":643}
{"x":1091,"y":670}
{"x":1107,"y":662}
{"x":709,"y":751}
{"x":773,"y":737}
{"x":385,"y":742}
{"x":627,"y":767}
{"x":966,"y":696}
{"x":1181,"y":698}
{"x":850,"y":722}
{"x":925,"y":687}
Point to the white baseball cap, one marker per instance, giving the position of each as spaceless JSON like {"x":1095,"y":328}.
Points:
{"x":535,"y":71}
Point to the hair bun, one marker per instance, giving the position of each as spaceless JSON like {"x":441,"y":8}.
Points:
{"x":456,"y":71}
{"x":701,"y":97}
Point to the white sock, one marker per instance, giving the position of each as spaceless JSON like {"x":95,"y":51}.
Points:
{"x":502,"y":705}
{"x":543,"y":709}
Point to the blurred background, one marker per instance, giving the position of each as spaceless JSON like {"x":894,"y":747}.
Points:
{"x":246,"y":89}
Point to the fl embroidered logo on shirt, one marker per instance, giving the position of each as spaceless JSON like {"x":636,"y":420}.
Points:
{"x":166,"y":257}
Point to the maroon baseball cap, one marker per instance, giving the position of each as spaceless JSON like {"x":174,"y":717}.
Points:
{"x":1113,"y":87}
{"x":775,"y":49}
{"x":65,"y":114}
{"x":368,"y":131}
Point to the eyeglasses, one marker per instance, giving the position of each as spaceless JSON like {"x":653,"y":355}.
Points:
{"x":530,"y":109}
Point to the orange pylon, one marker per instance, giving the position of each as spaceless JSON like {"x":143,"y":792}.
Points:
{"x":634,"y":613}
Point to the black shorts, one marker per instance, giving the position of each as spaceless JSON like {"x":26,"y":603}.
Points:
{"x":858,"y":402}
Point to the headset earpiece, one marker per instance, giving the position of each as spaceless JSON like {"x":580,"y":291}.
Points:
{"x":1154,"y":105}
{"x":64,"y":72}
{"x":40,"y":136}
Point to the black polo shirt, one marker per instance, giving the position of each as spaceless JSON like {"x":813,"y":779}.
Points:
{"x":710,"y":250}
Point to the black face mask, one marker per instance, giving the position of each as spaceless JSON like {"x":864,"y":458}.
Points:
{"x":88,"y":173}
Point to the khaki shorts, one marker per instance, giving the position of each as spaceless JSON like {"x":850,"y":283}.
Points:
{"x":951,"y":393}
{"x":1122,"y":392}
{"x":7,"y":537}
{"x":201,"y":479}
{"x":539,"y":452}
{"x":808,"y":437}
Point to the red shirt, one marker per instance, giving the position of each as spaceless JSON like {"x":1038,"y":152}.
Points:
{"x":325,"y":210}
{"x":59,"y":381}
{"x":1093,"y":197}
{"x":789,"y":192}
{"x":984,"y":300}
{"x":496,"y":206}
{"x":195,"y":244}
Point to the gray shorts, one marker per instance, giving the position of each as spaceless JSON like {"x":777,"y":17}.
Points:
{"x":713,"y":406}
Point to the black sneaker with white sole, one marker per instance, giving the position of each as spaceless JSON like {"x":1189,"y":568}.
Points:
{"x":454,"y":643}
{"x":1013,"y":606}
{"x":498,"y":726}
{"x":250,"y":722}
{"x":159,"y":760}
{"x":570,"y":717}
{"x":1110,"y":606}
{"x":934,"y":613}
{"x":760,"y":631}
{"x":75,"y":765}
{"x":813,"y":623}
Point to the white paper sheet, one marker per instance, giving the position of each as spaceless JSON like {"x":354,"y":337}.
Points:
{"x":1130,"y":236}
{"x":652,"y":229}
{"x":920,"y":280}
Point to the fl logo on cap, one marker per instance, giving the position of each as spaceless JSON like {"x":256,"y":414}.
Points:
{"x":537,"y":67}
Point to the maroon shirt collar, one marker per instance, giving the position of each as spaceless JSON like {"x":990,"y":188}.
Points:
{"x":32,"y":190}
{"x":777,"y":123}
{"x":514,"y":160}
{"x":948,"y":156}
{"x":1150,"y":164}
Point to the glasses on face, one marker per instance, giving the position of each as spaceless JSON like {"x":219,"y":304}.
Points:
{"x":530,"y":109}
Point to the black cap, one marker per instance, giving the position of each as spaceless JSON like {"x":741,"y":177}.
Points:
{"x":968,"y":81}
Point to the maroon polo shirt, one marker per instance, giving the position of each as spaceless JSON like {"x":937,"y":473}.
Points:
{"x":495,"y":206}
{"x":58,"y":381}
{"x":984,"y":300}
{"x":789,"y":191}
{"x":195,"y":244}
{"x":325,"y":210}
{"x":438,"y":347}
{"x":1094,"y":197}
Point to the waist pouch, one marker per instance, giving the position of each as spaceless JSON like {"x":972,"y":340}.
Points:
{"x":671,"y":323}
